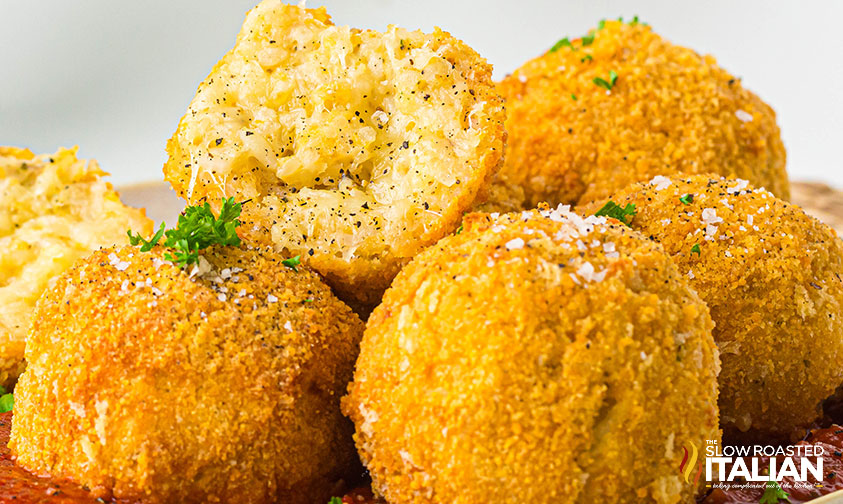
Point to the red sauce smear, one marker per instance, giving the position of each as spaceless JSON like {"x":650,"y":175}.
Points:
{"x":362,"y":495}
{"x":22,"y":487}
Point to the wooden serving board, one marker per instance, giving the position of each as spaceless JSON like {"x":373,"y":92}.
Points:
{"x":821,"y":201}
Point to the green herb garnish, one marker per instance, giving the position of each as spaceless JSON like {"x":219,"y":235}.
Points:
{"x":586,"y":58}
{"x":573,"y":97}
{"x":562,"y":43}
{"x":613,"y":210}
{"x":695,"y":249}
{"x":608,"y":84}
{"x":587,"y":39}
{"x":686,"y":199}
{"x":197,"y":229}
{"x":335,"y":500}
{"x":459,"y":229}
{"x":146,"y":246}
{"x":773,"y":493}
{"x":7,"y":402}
{"x":634,"y":22}
{"x":292,"y":263}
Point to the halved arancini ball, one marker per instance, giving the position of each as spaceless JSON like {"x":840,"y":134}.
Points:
{"x":354,"y":148}
{"x":218,"y":384}
{"x":771,"y":276}
{"x":535,"y":357}
{"x":622,"y":105}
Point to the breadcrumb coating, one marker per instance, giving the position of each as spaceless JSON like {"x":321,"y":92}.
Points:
{"x":535,"y":357}
{"x":219,"y":384}
{"x":54,"y":209}
{"x":670,"y":111}
{"x":771,"y":276}
{"x":355,"y":148}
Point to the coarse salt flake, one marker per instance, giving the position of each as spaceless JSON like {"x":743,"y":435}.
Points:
{"x":514,"y":244}
{"x":743,"y":115}
{"x":741,"y":185}
{"x":587,"y":273}
{"x":709,"y":216}
{"x":661,"y":182}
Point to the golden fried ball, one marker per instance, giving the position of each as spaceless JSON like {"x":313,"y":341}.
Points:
{"x":669,"y":111}
{"x":535,"y":357}
{"x":771,"y":276}
{"x":354,"y":147}
{"x":221,"y":384}
{"x":54,"y":209}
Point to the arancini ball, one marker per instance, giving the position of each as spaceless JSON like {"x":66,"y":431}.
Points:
{"x":771,"y":276}
{"x":216,"y":383}
{"x":535,"y":357}
{"x":621,"y":105}
{"x":355,"y":148}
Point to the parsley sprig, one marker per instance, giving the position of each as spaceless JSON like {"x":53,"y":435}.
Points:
{"x":292,"y":263}
{"x":335,"y":500}
{"x":7,"y":400}
{"x":608,"y":84}
{"x":773,"y":493}
{"x":565,"y":42}
{"x":615,"y":211}
{"x":634,"y":22}
{"x":197,"y":229}
{"x":585,"y":41}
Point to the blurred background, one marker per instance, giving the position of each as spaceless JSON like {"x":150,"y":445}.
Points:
{"x":114,"y":77}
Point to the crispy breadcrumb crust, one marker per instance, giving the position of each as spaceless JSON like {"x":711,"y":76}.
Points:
{"x":54,"y":209}
{"x":671,"y":111}
{"x":539,"y":358}
{"x":355,"y":148}
{"x":771,"y":276}
{"x":223,"y":387}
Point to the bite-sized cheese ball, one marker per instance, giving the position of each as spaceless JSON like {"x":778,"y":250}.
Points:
{"x":355,"y":148}
{"x":54,"y":209}
{"x":535,"y":357}
{"x":771,"y":276}
{"x":221,"y":384}
{"x":670,"y":111}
